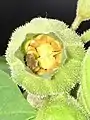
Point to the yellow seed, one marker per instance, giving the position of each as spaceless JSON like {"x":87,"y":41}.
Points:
{"x":37,"y":69}
{"x":30,"y":48}
{"x":41,"y":71}
{"x":47,"y":62}
{"x":58,"y":58}
{"x":44,"y":50}
{"x":34,"y":43}
{"x":50,"y":39}
{"x":34,"y":53}
{"x":56,"y":53}
{"x":41,"y":39}
{"x":56,"y":46}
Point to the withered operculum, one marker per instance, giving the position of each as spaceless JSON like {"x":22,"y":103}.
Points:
{"x":31,"y":62}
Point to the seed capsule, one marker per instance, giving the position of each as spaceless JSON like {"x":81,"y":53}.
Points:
{"x":43,"y":54}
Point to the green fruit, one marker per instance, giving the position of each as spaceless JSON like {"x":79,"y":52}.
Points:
{"x":67,"y":74}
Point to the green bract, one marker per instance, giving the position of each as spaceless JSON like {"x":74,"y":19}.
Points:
{"x":67,"y":74}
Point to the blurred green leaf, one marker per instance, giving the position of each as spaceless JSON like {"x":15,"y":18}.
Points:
{"x":85,"y":93}
{"x":3,"y":65}
{"x":13,"y":106}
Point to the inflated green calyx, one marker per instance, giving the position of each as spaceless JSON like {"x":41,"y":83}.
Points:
{"x":46,"y":69}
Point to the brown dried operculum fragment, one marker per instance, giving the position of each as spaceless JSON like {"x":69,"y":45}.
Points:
{"x":31,"y":62}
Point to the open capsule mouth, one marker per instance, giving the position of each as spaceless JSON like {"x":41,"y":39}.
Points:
{"x":43,"y":54}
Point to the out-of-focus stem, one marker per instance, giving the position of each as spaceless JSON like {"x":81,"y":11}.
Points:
{"x":76,"y":23}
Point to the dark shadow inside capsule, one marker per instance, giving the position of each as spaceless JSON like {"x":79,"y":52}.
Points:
{"x":74,"y":90}
{"x":87,"y":45}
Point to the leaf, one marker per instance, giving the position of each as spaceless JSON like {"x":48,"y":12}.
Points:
{"x":83,"y":13}
{"x":61,"y":108}
{"x":3,"y":65}
{"x":12,"y":104}
{"x":85,"y":88}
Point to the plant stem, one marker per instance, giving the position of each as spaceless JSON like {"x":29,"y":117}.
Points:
{"x":76,"y":23}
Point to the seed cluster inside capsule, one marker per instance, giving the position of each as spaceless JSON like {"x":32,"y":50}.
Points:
{"x":43,"y":54}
